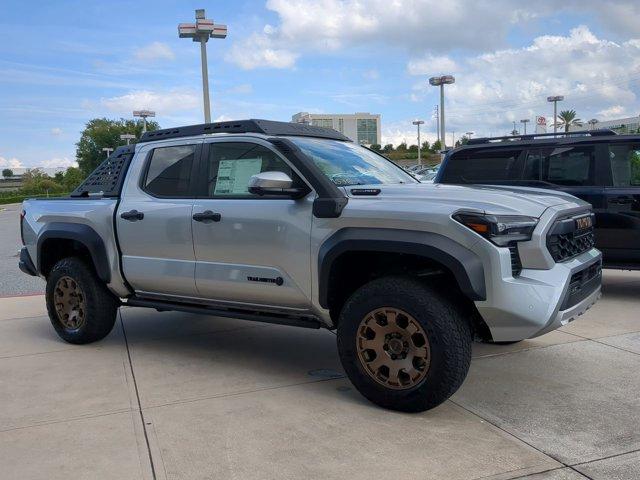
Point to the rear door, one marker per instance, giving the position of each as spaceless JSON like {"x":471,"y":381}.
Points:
{"x":621,"y":229}
{"x":250,"y":250}
{"x":154,"y":220}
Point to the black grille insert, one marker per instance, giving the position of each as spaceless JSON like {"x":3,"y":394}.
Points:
{"x":565,"y":241}
{"x":516,"y":264}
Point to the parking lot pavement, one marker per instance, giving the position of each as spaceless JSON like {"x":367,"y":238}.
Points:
{"x":179,"y":396}
{"x":12,"y":280}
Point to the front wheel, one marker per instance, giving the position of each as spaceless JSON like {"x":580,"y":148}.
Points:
{"x":80,"y":307}
{"x":403,"y":344}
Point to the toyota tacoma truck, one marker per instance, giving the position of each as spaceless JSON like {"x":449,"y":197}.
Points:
{"x":294,"y":224}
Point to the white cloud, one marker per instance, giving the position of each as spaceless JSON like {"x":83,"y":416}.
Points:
{"x":10,"y":163}
{"x":615,"y":111}
{"x":260,"y":50}
{"x":595,"y":75}
{"x":162,"y":102}
{"x":58,"y":163}
{"x":432,"y":65}
{"x":242,"y":89}
{"x":56,"y":132}
{"x":154,"y":52}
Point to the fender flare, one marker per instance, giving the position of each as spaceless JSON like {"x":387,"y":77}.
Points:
{"x":465,"y":265}
{"x":83,"y":234}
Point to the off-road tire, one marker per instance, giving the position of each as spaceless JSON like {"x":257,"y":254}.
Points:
{"x":447,"y":330}
{"x":100,"y":305}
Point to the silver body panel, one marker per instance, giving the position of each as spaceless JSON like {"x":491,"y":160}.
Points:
{"x":168,"y":255}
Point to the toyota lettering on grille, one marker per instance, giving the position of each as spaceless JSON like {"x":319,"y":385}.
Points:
{"x":583,"y":223}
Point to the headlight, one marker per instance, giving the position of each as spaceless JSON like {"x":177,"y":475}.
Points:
{"x":499,"y":229}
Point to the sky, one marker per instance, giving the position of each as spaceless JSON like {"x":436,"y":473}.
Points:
{"x":64,"y":62}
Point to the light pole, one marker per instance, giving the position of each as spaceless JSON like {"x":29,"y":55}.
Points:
{"x":514,"y":132}
{"x":441,"y":82}
{"x":524,"y":122}
{"x":144,"y":114}
{"x":468,"y":134}
{"x":201,"y":31}
{"x":417,"y":123}
{"x":555,"y":99}
{"x":592,"y":123}
{"x":107,"y":150}
{"x":128,"y":137}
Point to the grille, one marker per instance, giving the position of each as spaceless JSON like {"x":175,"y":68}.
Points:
{"x":565,"y":242}
{"x":516,"y":264}
{"x":107,"y":179}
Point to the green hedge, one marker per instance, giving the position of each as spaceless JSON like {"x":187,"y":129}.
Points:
{"x":4,"y":200}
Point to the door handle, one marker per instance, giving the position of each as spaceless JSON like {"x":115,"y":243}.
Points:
{"x":621,"y":200}
{"x":207,"y":216}
{"x":132,"y":215}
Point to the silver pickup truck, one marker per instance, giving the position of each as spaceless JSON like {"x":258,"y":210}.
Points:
{"x":296,"y":225}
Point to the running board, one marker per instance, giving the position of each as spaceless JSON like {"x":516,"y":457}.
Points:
{"x":304,"y":322}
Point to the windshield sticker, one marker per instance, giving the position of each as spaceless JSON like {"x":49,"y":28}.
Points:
{"x":233,"y":175}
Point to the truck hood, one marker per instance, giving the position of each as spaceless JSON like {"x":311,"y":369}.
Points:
{"x":492,"y":199}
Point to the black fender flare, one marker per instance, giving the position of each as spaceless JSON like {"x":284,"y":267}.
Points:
{"x":465,"y":265}
{"x":83,"y":234}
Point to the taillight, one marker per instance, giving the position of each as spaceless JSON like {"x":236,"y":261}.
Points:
{"x":22,"y":214}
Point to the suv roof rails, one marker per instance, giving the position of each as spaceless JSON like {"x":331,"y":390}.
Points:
{"x":533,"y":136}
{"x":266,"y":127}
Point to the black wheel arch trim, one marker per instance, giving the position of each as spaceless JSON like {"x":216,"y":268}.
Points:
{"x":83,"y":234}
{"x":465,"y":265}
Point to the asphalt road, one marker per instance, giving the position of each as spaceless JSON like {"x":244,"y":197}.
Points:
{"x":12,"y":280}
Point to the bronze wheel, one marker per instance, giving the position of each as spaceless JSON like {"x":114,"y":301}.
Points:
{"x":69,"y":302}
{"x":393,"y":348}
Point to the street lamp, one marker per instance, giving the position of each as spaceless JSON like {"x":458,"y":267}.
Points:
{"x":201,"y":31}
{"x":555,"y":99}
{"x":417,"y":123}
{"x":107,"y":150}
{"x":441,"y":82}
{"x":468,"y":134}
{"x":128,"y":137}
{"x":524,"y":122}
{"x":144,"y":114}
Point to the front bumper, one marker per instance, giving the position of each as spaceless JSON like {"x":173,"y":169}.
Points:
{"x":26,"y":264}
{"x":539,"y":301}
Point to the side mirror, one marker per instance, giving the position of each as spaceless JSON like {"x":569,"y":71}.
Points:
{"x":274,"y":183}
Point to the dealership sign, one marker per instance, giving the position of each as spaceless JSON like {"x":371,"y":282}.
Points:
{"x":541,"y":124}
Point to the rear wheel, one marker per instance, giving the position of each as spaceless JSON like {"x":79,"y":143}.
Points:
{"x":80,"y":307}
{"x":403,"y":345}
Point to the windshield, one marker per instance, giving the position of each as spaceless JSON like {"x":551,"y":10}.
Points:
{"x":346,"y":163}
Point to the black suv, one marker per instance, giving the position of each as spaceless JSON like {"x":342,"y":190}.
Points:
{"x":599,"y":166}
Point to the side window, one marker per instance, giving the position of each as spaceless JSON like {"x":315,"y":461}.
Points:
{"x":231,"y":165}
{"x":569,"y":166}
{"x":478,"y":167}
{"x":533,"y":165}
{"x":625,"y":165}
{"x":169,"y":171}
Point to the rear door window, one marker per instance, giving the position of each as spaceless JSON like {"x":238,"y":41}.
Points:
{"x":169,"y":171}
{"x":625,"y":165}
{"x":482,"y":167}
{"x":570,"y":166}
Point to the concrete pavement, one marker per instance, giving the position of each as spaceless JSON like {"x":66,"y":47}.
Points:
{"x":179,"y":396}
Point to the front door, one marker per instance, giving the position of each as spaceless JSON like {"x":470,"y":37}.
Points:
{"x":154,"y":221}
{"x":621,"y":231}
{"x":249,"y":250}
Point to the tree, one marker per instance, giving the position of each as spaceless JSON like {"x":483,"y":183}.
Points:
{"x":402,"y":147}
{"x":425,"y":146}
{"x":376,"y":147}
{"x":72,"y":178}
{"x":436,"y":146}
{"x":413,"y":148}
{"x":567,"y":119}
{"x":102,"y":133}
{"x":388,"y":148}
{"x":7,"y":173}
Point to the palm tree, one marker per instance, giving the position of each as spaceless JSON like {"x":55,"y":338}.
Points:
{"x":567,"y":119}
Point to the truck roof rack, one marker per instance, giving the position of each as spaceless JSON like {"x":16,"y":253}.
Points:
{"x":532,"y":136}
{"x":266,"y":127}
